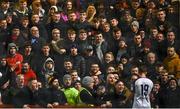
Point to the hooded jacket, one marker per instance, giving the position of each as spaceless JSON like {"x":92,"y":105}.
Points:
{"x":14,"y":60}
{"x":46,"y":74}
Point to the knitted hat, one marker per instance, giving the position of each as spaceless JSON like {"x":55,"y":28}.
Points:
{"x":87,"y":80}
{"x":10,"y":45}
{"x":66,"y":76}
{"x":136,"y":23}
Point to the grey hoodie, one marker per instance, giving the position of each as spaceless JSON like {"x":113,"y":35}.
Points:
{"x":44,"y":65}
{"x":47,"y":73}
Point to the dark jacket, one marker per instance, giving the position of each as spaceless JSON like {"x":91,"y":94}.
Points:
{"x":56,"y":95}
{"x":78,"y":64}
{"x":25,"y":96}
{"x":169,"y":98}
{"x":134,"y":50}
{"x":87,"y":93}
{"x":39,"y":61}
{"x":18,"y":40}
{"x":7,"y":75}
{"x":113,"y":44}
{"x":68,"y":44}
{"x":37,"y":44}
{"x":121,"y":99}
{"x":42,"y":30}
{"x":175,"y":44}
{"x":46,"y":74}
{"x":89,"y":60}
{"x":82,"y":45}
{"x":161,"y":50}
{"x":29,"y":58}
{"x":83,"y":25}
{"x":104,"y":47}
{"x":3,"y":40}
{"x":8,"y":94}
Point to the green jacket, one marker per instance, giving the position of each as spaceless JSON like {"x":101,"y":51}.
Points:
{"x":71,"y":95}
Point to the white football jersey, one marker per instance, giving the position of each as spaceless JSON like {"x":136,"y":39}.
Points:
{"x":142,"y":88}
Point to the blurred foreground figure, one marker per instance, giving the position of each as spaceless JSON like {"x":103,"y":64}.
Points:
{"x":142,"y":89}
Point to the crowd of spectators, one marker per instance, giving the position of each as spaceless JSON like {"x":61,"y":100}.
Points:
{"x":88,"y":52}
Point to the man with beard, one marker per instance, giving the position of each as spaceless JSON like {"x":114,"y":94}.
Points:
{"x":27,"y":72}
{"x":57,"y":97}
{"x":14,"y":59}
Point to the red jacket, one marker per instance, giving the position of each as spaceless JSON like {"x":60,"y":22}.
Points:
{"x":30,"y":74}
{"x":15,"y":61}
